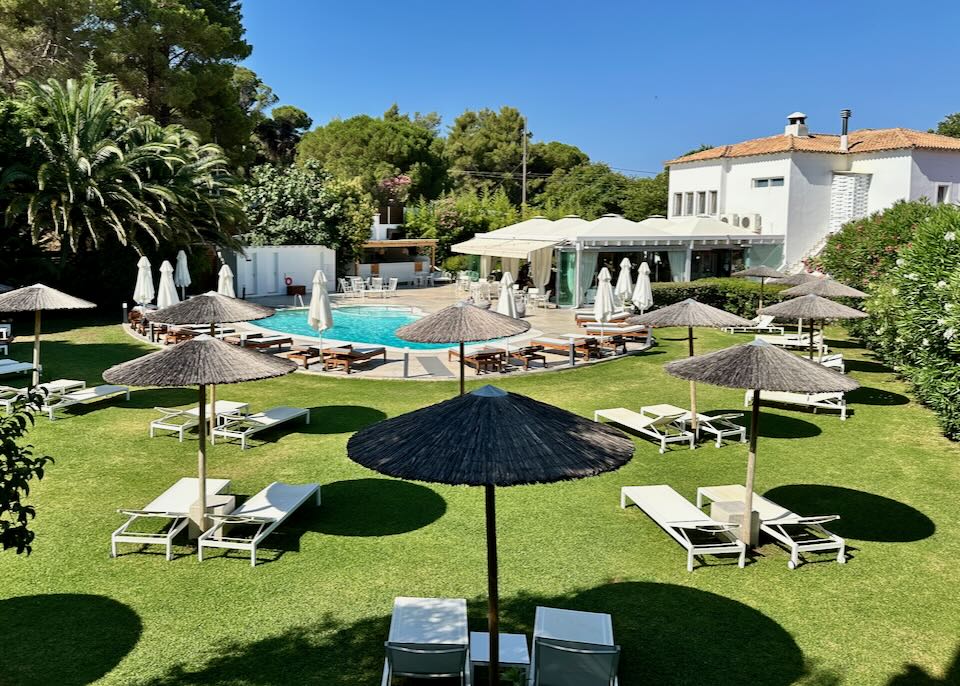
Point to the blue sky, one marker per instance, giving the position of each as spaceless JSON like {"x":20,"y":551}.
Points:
{"x":631,"y":83}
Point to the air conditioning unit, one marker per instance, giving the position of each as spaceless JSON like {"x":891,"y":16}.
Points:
{"x":750,"y":221}
{"x":733,"y":219}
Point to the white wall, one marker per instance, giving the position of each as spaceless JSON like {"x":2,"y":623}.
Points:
{"x":262,"y":270}
{"x":808,"y":215}
{"x":890,"y":170}
{"x":933,"y":167}
{"x":740,"y":197}
{"x":693,"y":177}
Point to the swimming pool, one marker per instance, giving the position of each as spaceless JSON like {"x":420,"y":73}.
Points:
{"x":373,"y":325}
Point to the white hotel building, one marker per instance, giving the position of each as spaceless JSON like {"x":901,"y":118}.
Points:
{"x":803,"y":185}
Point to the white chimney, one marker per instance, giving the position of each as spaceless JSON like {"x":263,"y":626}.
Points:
{"x":796,"y":125}
{"x":844,"y":121}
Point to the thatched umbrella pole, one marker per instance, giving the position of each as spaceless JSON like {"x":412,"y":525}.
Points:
{"x":493,"y":592}
{"x":747,"y":522}
{"x":202,"y":456}
{"x":810,"y":333}
{"x":693,"y":385}
{"x":213,"y":395}
{"x":36,"y":348}
{"x":462,"y":370}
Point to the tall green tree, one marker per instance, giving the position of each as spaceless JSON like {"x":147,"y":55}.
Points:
{"x":307,"y":205}
{"x":950,"y":126}
{"x":47,"y":38}
{"x":589,"y":190}
{"x":646,"y":197}
{"x":281,"y":132}
{"x":485,"y":150}
{"x":102,"y":172}
{"x":373,"y":149}
{"x":179,"y":57}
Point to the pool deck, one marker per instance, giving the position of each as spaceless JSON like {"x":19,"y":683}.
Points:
{"x":550,"y":322}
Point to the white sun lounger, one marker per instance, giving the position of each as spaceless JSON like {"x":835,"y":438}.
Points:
{"x":9,"y":395}
{"x":181,"y":421}
{"x":821,"y":401}
{"x":798,"y":534}
{"x":266,"y":510}
{"x":173,"y":504}
{"x":8,"y":366}
{"x":664,"y":428}
{"x":685,"y":523}
{"x":243,"y":426}
{"x":834,"y":361}
{"x":792,"y":340}
{"x":760,"y":324}
{"x":52,"y":404}
{"x":720,"y":425}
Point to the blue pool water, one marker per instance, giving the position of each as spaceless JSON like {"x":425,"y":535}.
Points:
{"x":372,"y":325}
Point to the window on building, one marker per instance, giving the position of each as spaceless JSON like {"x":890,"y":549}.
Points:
{"x":677,"y":204}
{"x":701,"y":202}
{"x":688,"y":203}
{"x":943,"y":193}
{"x":712,"y":203}
{"x":772,"y":182}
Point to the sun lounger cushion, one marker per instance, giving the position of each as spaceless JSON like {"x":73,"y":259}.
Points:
{"x":244,"y":426}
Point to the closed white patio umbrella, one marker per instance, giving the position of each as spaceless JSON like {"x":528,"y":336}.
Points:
{"x":642,"y":293}
{"x":182,"y":275}
{"x":320,"y":315}
{"x":167,"y":290}
{"x":603,"y":304}
{"x":624,"y":287}
{"x":507,"y":305}
{"x":225,"y":282}
{"x":143,"y":291}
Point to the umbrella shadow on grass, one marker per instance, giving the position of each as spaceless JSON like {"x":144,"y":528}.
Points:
{"x":377,"y":507}
{"x":774,"y":425}
{"x":867,"y":367}
{"x":863,"y":516}
{"x":866,"y":395}
{"x":64,"y":639}
{"x":339,"y":419}
{"x":650,"y":622}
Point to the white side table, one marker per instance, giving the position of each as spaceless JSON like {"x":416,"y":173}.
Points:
{"x":731,"y":512}
{"x":513,"y":651}
{"x":216,"y":504}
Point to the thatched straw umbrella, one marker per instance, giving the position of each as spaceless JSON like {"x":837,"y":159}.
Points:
{"x":200,"y":362}
{"x":757,"y":366}
{"x":797,"y":279}
{"x":462,"y":323}
{"x":490,"y":438}
{"x":763,"y":273}
{"x":812,"y":307}
{"x":212,"y":308}
{"x":827,"y":288}
{"x":689,"y":313}
{"x":37,"y":298}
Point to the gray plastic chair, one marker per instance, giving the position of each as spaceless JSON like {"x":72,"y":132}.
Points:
{"x":426,"y":662}
{"x":569,"y":663}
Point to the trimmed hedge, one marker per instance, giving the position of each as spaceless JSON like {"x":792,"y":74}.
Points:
{"x":740,"y":296}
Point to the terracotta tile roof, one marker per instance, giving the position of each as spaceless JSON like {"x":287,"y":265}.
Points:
{"x":863,"y":140}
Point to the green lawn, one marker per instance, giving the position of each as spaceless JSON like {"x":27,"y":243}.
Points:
{"x":316,"y":611}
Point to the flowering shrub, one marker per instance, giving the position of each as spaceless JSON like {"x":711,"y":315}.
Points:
{"x":864,"y":250}
{"x":915,"y":315}
{"x":739,"y":296}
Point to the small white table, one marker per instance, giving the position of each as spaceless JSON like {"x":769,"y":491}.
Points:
{"x":513,"y":651}
{"x":731,"y":512}
{"x":216,"y":504}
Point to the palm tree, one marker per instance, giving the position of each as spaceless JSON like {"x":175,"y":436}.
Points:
{"x":104,"y":171}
